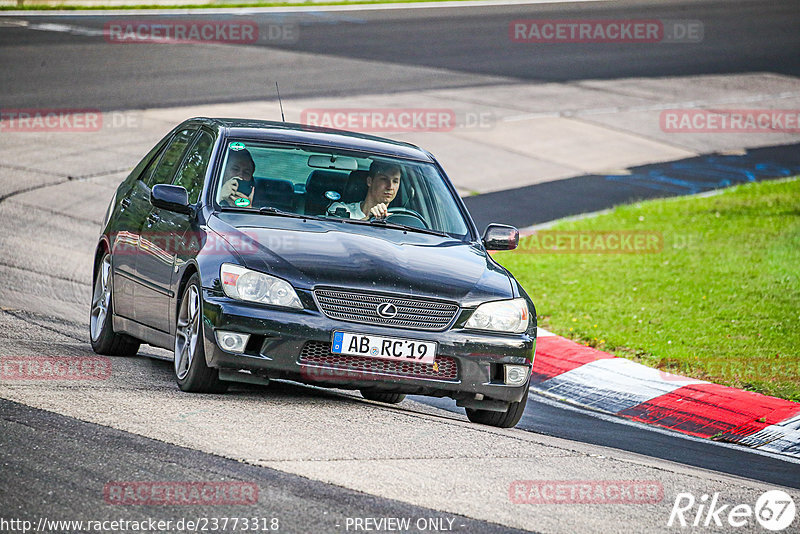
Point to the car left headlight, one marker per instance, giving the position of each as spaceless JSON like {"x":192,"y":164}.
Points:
{"x":501,"y":316}
{"x":243,"y":284}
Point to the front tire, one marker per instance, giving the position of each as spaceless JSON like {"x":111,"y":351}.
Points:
{"x":506,"y":419}
{"x":191,"y":372}
{"x":101,"y":328}
{"x":380,"y":396}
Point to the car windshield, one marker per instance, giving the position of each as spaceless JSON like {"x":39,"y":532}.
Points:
{"x":344,"y":185}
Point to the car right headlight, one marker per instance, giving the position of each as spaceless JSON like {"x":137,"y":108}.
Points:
{"x":500,"y":316}
{"x":243,"y":284}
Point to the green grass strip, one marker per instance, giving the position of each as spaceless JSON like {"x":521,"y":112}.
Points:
{"x":717,"y":299}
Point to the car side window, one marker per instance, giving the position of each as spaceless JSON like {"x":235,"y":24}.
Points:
{"x":170,"y":158}
{"x":144,"y":176}
{"x":144,"y":167}
{"x":191,"y":174}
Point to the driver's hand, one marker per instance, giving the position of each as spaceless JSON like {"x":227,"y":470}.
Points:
{"x":379,"y":211}
{"x":229,"y":189}
{"x":237,"y":195}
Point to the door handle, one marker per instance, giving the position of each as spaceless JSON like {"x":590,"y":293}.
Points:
{"x":153,"y":218}
{"x":125,"y":202}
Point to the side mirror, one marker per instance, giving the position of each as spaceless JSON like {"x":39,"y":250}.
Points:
{"x":170,"y":197}
{"x":500,"y":237}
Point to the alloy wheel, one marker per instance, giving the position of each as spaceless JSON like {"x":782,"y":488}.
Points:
{"x":187,"y":332}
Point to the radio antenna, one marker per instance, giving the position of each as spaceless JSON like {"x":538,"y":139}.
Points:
{"x":279,"y":101}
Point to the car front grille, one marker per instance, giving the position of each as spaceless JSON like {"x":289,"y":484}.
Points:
{"x":421,"y":314}
{"x":318,"y":353}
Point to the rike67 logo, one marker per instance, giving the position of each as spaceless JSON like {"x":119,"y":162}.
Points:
{"x":774,"y":510}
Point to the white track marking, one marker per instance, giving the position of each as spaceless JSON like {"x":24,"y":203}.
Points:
{"x":613,"y":384}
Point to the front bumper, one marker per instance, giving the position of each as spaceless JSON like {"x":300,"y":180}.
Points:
{"x":295,"y":345}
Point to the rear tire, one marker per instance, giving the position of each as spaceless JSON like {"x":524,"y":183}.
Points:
{"x":380,"y":396}
{"x":101,"y":327}
{"x":191,"y":372}
{"x":506,"y":419}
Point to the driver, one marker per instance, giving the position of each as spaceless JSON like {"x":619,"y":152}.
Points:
{"x":383,"y":182}
{"x":237,"y":181}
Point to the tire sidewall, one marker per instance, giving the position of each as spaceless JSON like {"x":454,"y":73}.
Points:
{"x":106,"y":337}
{"x":201,"y":377}
{"x":509,"y":419}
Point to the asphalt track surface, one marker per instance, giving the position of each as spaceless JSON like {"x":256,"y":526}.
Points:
{"x":55,"y":69}
{"x":67,"y":455}
{"x":354,"y":52}
{"x":553,"y":419}
{"x":540,"y":203}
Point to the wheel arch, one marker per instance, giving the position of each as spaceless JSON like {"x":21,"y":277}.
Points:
{"x":190,"y":270}
{"x":101,"y":250}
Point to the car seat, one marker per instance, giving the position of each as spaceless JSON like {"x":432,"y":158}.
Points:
{"x":320,"y":182}
{"x":275,"y":193}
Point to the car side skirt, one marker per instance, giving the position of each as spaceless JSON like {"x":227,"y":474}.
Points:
{"x":144,"y":333}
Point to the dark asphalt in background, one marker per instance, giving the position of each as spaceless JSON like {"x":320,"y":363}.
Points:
{"x":472,"y":45}
{"x":539,"y":203}
{"x":739,"y":36}
{"x":56,"y":467}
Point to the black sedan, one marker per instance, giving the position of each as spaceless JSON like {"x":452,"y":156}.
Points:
{"x":259,"y":250}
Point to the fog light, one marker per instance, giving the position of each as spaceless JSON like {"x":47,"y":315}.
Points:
{"x":232,"y":341}
{"x":516,"y":375}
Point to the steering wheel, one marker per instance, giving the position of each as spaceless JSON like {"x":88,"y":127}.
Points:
{"x":407,"y":216}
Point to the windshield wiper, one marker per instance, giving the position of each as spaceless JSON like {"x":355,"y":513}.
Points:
{"x":397,"y":226}
{"x":268,"y":210}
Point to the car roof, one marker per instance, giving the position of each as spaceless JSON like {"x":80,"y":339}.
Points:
{"x":288,"y":132}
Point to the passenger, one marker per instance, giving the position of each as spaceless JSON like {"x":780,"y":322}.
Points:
{"x":237,"y":180}
{"x":383,"y":182}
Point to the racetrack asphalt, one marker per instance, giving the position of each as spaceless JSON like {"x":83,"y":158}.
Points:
{"x":539,"y":203}
{"x":383,"y":52}
{"x":71,"y":461}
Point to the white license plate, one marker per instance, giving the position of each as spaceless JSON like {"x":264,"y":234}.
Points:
{"x":387,"y":348}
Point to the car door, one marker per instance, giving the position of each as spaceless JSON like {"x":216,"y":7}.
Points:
{"x":151,"y":291}
{"x":131,"y":212}
{"x":174,"y":233}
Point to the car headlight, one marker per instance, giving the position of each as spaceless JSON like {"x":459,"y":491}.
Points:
{"x":501,"y":316}
{"x":244,"y":284}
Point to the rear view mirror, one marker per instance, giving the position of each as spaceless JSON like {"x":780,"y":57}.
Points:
{"x":340,"y":163}
{"x":500,"y":237}
{"x":170,"y":197}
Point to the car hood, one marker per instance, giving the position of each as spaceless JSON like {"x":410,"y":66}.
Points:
{"x":311,"y":253}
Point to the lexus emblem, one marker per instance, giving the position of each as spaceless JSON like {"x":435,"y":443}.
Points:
{"x":387,"y":310}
